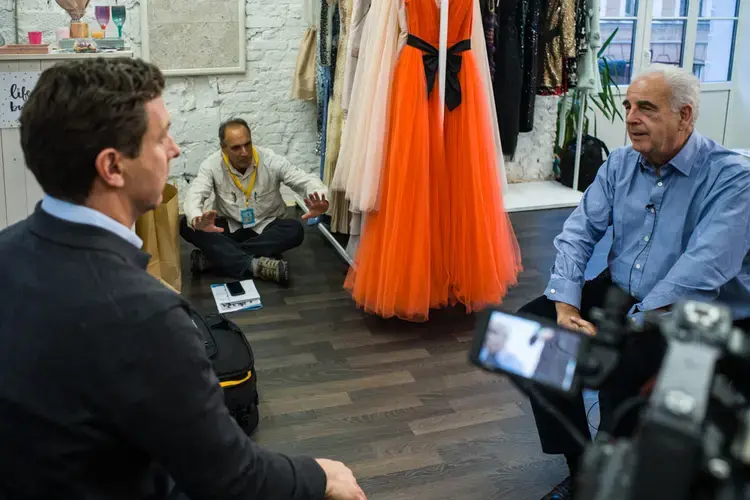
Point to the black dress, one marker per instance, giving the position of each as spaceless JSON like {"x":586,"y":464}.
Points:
{"x":508,"y":73}
{"x":530,"y":19}
{"x":489,"y":23}
{"x":516,"y":58}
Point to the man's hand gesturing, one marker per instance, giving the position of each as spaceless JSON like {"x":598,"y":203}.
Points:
{"x":207,"y":223}
{"x":316,"y":204}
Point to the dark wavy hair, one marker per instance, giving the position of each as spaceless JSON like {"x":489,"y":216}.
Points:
{"x":76,"y":110}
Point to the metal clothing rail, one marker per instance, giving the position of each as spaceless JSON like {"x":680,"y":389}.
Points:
{"x":579,"y":141}
{"x":324,"y":230}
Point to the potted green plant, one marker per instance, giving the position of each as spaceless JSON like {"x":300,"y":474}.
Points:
{"x":569,"y":107}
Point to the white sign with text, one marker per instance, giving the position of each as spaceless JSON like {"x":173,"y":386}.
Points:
{"x":15,"y":88}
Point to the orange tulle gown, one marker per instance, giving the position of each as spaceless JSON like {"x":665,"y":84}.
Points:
{"x":440,"y":234}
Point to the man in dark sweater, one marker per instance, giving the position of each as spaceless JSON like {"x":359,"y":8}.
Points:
{"x":105,"y":388}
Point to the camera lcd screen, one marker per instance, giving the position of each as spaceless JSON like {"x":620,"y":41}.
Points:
{"x":529,"y":349}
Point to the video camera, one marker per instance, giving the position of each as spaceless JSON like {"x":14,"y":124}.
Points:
{"x":694,"y":436}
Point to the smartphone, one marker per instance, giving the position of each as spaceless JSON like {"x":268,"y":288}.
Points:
{"x":530,"y":349}
{"x":235,"y":288}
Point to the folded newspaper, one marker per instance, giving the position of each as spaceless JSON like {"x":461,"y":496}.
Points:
{"x":227,"y":303}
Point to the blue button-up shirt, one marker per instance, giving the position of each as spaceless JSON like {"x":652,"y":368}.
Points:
{"x":684,"y":234}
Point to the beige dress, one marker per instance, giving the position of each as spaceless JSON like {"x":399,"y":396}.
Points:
{"x":356,"y":27}
{"x":303,"y":85}
{"x":339,"y":210}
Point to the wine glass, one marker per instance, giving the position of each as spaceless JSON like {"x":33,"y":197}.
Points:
{"x":102,"y":16}
{"x":118,"y":17}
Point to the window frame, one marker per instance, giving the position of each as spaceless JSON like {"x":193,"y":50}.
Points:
{"x":642,"y":38}
{"x":636,"y":36}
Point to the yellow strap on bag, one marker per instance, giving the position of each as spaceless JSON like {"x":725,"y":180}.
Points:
{"x":247,"y":192}
{"x":232,"y":383}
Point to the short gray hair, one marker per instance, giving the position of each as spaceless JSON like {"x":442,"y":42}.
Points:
{"x":685,"y":86}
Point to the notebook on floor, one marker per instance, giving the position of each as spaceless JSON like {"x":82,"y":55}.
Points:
{"x":228,"y":303}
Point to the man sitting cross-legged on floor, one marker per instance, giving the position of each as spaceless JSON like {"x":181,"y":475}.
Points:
{"x":244,"y":234}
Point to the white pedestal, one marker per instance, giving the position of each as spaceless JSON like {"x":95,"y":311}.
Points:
{"x":541,"y":195}
{"x":19,"y":191}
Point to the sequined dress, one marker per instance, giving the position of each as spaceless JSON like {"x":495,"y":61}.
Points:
{"x":489,"y":23}
{"x":530,"y":21}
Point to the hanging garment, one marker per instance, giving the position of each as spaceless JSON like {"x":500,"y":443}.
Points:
{"x":324,"y":98}
{"x":357,"y":42}
{"x":361,"y":158}
{"x":530,"y":23}
{"x":355,"y":228}
{"x":579,"y":44}
{"x":303,"y":85}
{"x":323,"y":73}
{"x":362,"y":143}
{"x":440,"y":234}
{"x":489,"y":23}
{"x":329,"y":31}
{"x":320,"y":95}
{"x":552,"y":48}
{"x":360,"y":9}
{"x":509,"y":59}
{"x":559,"y":44}
{"x":569,"y":16}
{"x":339,"y":210}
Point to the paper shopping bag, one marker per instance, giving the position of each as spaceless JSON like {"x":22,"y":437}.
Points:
{"x":159,"y":230}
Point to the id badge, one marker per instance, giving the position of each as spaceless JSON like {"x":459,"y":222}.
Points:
{"x":247,"y":216}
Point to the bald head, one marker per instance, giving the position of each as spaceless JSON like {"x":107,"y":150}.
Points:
{"x":662,"y":107}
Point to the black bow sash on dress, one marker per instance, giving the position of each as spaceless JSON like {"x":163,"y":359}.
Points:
{"x":452,"y":67}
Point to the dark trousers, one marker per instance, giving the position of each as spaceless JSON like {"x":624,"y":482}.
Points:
{"x":232,"y":253}
{"x":640,"y":361}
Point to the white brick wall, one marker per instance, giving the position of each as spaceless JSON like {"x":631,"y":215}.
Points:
{"x":535,"y":150}
{"x":261,"y":96}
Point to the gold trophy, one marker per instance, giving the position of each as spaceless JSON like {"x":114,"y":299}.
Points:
{"x":76,"y":9}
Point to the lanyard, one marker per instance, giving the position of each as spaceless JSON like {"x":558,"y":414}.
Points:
{"x":237,"y":182}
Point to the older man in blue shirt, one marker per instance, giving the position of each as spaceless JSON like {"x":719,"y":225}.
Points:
{"x":679,"y":207}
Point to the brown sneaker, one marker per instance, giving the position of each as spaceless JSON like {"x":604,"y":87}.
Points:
{"x":198,"y":262}
{"x":268,"y":269}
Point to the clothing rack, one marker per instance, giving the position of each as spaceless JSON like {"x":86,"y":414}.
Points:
{"x":324,"y":230}
{"x":579,"y":141}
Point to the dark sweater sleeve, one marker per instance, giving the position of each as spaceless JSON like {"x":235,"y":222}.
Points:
{"x":164,"y":397}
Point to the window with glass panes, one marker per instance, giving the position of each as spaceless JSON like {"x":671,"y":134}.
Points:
{"x":699,"y":34}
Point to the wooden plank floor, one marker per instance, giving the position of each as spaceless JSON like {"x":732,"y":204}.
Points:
{"x":398,"y":402}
